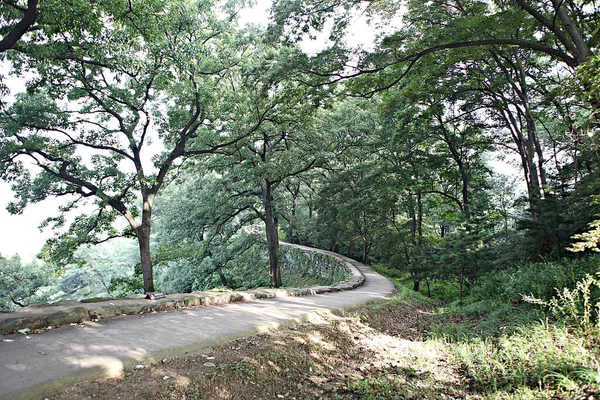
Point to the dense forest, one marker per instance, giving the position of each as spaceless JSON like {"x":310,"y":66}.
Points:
{"x":458,"y":153}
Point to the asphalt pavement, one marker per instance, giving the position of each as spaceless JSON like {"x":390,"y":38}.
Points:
{"x":34,"y":366}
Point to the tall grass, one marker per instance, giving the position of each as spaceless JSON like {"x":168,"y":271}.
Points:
{"x":528,"y":331}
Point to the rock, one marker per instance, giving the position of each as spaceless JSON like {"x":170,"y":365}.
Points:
{"x":139,"y":366}
{"x":209,"y":364}
{"x":72,"y":315}
{"x":190,"y":301}
{"x":11,"y":325}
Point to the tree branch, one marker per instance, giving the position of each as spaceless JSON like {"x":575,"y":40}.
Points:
{"x":29,"y":18}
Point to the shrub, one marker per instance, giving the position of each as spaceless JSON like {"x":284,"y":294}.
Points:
{"x":123,"y":286}
{"x":537,"y":280}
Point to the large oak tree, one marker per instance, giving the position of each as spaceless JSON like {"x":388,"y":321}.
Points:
{"x":112,"y":109}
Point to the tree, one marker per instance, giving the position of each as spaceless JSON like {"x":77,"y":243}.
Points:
{"x":112,"y":112}
{"x":565,"y":31}
{"x":19,"y":283}
{"x":212,"y":238}
{"x":276,"y":106}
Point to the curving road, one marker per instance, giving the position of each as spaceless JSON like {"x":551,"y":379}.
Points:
{"x":36,"y":366}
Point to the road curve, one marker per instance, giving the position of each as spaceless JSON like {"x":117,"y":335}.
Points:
{"x":37,"y":366}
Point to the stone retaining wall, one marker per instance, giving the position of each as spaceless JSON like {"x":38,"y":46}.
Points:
{"x":41,"y":317}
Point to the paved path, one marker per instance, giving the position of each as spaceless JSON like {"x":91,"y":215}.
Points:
{"x":29,"y":368}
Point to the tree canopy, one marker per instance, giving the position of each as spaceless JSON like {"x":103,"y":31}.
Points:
{"x":387,"y":155}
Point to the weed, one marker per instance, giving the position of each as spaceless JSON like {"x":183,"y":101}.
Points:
{"x":243,"y":368}
{"x":579,"y":306}
{"x":536,"y":356}
{"x":374,"y":387}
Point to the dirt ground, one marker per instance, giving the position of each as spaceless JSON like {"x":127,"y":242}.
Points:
{"x":366,"y":352}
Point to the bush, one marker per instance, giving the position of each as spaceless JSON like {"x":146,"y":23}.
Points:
{"x":126,"y":285}
{"x":390,"y":272}
{"x":537,"y":280}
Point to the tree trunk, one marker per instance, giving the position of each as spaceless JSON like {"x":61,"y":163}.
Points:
{"x":416,"y":285}
{"x":463,"y":169}
{"x":295,"y":192}
{"x":530,"y":146}
{"x":222,"y":277}
{"x":413,"y":219}
{"x":143,"y":236}
{"x":350,"y":250}
{"x":272,"y":238}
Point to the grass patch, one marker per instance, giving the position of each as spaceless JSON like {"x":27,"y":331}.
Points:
{"x":538,"y":357}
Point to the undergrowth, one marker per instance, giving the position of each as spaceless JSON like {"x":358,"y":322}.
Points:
{"x":529,"y":332}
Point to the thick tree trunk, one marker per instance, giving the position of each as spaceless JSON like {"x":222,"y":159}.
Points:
{"x":15,"y":34}
{"x":416,"y":285}
{"x":365,"y":251}
{"x":143,"y":236}
{"x":142,"y":231}
{"x":272,"y":238}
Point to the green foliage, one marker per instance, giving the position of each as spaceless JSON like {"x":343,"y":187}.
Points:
{"x":22,"y":285}
{"x":93,"y":269}
{"x":124,"y":286}
{"x":500,"y":343}
{"x":538,"y":280}
{"x":100,"y":93}
{"x":579,"y":306}
{"x":590,"y":78}
{"x":495,"y":305}
{"x":388,"y":272}
{"x":588,"y":240}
